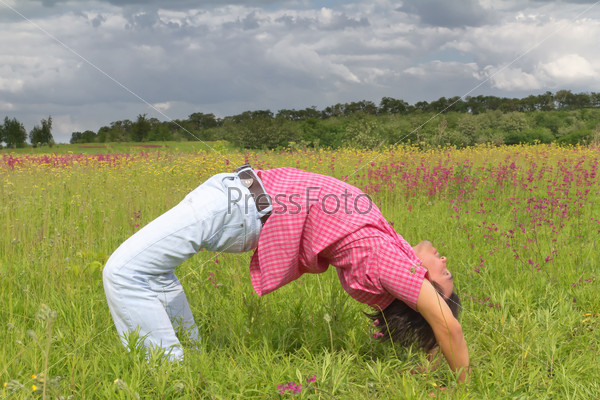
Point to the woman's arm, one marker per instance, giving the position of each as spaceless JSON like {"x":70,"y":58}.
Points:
{"x":446,"y":328}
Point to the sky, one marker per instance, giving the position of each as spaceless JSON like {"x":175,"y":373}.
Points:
{"x":89,"y":63}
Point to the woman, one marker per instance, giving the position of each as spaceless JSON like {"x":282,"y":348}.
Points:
{"x":298,"y":222}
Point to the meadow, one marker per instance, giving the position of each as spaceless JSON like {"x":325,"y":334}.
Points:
{"x":519,"y":225}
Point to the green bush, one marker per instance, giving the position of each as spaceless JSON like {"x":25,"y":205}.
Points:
{"x":581,"y":136}
{"x":530,"y":136}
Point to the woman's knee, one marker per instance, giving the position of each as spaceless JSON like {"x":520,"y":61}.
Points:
{"x":111,"y":275}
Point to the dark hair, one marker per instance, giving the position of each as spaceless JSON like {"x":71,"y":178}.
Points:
{"x":405,"y":326}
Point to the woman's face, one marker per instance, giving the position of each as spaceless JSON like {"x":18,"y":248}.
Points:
{"x":436,"y":266}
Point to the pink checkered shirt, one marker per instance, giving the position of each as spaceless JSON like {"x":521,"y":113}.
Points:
{"x":319,"y":221}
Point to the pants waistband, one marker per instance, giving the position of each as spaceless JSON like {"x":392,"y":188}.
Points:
{"x":257,"y":191}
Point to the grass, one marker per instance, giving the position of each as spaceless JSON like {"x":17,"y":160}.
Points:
{"x":519,"y":225}
{"x":125,"y":147}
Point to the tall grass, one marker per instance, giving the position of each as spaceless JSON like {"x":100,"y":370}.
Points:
{"x":519,"y":225}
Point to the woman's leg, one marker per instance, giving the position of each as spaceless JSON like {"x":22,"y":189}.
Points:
{"x":142,"y":290}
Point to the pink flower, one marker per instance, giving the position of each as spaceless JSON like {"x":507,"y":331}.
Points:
{"x":281,"y":389}
{"x":291,"y":386}
{"x":311,"y":379}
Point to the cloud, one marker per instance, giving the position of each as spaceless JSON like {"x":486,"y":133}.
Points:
{"x":511,"y":79}
{"x":447,"y":13}
{"x":163,"y":107}
{"x":171,"y":4}
{"x":569,"y":68}
{"x":186,"y":56}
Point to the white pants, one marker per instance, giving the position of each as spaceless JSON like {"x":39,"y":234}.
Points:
{"x":142,"y":291}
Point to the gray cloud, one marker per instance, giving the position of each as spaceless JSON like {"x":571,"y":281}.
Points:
{"x":446,"y":13}
{"x":565,"y":1}
{"x":171,"y":4}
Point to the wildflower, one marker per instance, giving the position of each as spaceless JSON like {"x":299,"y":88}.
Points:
{"x":120,"y":384}
{"x":46,"y":313}
{"x":13,"y":385}
{"x":377,"y":335}
{"x":311,"y":379}
{"x":179,"y":387}
{"x":376,"y":322}
{"x":280,"y":389}
{"x":212,"y":279}
{"x":291,"y":386}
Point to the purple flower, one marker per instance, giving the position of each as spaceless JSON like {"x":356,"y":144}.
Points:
{"x":281,"y":389}
{"x":291,"y":386}
{"x":311,"y":379}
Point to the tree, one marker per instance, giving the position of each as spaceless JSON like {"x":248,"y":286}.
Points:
{"x":203,"y":121}
{"x":390,"y":105}
{"x":42,"y":135}
{"x":333,"y":111}
{"x":299,"y":115}
{"x":140,"y":128}
{"x":75,"y":137}
{"x":595,"y":99}
{"x":15,"y":134}
{"x":119,"y":131}
{"x":513,"y":122}
{"x":83,"y":137}
{"x":564,"y":99}
{"x":440,"y":105}
{"x":160,"y":132}
{"x":421,"y":106}
{"x":363,"y":106}
{"x":546,"y":101}
{"x":469,"y":126}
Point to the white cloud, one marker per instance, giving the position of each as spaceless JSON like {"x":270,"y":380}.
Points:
{"x":11,"y":85}
{"x":570,"y":68}
{"x":511,"y":79}
{"x":4,"y":106}
{"x":163,"y":107}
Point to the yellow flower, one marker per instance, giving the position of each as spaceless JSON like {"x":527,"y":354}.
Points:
{"x":33,"y":387}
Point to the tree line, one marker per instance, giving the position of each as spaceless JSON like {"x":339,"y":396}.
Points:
{"x":14,"y":135}
{"x":562,"y":116}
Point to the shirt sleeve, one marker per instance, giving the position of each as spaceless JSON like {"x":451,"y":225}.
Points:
{"x":401,"y":277}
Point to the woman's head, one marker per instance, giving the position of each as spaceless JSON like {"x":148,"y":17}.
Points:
{"x":406,"y":326}
{"x":436,"y":266}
